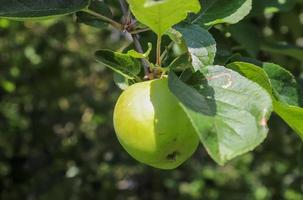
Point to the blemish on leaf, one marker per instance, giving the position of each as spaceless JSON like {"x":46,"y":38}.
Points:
{"x":228,"y":76}
{"x":263,"y":121}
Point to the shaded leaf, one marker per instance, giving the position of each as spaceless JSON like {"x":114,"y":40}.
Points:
{"x":121,"y":81}
{"x":228,"y":111}
{"x":285,"y":86}
{"x":247,"y":36}
{"x":26,"y":9}
{"x":121,"y":63}
{"x":181,"y":63}
{"x":200,"y":43}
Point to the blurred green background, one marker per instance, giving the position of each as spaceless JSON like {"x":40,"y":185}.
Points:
{"x":56,"y":134}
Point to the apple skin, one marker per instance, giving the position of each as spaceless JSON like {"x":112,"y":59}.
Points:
{"x":152,"y":127}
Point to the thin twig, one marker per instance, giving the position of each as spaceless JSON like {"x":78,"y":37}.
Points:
{"x":104,"y":18}
{"x":165,"y":52}
{"x":135,"y":37}
{"x":123,"y":7}
{"x":139,"y":31}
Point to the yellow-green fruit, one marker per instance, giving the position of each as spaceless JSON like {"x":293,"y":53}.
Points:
{"x":152,"y":127}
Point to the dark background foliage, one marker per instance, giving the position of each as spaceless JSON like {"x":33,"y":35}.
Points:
{"x":56,"y":134}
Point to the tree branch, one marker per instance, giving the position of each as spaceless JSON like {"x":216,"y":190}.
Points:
{"x":135,"y":37}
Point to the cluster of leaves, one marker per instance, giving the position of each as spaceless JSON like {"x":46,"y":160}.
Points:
{"x":228,"y":102}
{"x":56,"y":136}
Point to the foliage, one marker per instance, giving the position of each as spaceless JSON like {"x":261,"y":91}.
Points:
{"x":56,"y":132}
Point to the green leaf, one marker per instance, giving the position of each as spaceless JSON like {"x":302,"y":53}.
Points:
{"x":200,"y":43}
{"x":285,"y":86}
{"x":181,"y":63}
{"x":121,"y":81}
{"x":136,"y":54}
{"x":123,"y":64}
{"x":281,"y":85}
{"x":253,"y":73}
{"x":175,"y":36}
{"x":279,"y":82}
{"x":292,"y":115}
{"x":287,"y":93}
{"x":98,"y":7}
{"x":228,"y":111}
{"x":223,"y":11}
{"x":27,"y":9}
{"x":162,"y":15}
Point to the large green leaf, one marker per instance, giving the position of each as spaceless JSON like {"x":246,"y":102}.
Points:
{"x":281,"y":85}
{"x":200,"y":43}
{"x":223,"y":11}
{"x":24,"y":9}
{"x":122,"y":64}
{"x":228,"y":111}
{"x":161,"y":15}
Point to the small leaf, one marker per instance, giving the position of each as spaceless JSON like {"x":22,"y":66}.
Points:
{"x":222,"y":11}
{"x":162,"y":15}
{"x":27,"y":9}
{"x":97,"y":7}
{"x":200,"y":43}
{"x":228,"y":111}
{"x":136,"y":54}
{"x":121,"y":63}
{"x":175,"y":36}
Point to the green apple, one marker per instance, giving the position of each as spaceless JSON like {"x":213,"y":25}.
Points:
{"x":152,"y":127}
